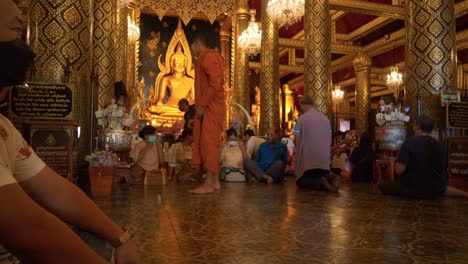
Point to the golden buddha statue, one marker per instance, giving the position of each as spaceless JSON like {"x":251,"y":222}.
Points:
{"x":178,"y":84}
{"x":174,"y":82}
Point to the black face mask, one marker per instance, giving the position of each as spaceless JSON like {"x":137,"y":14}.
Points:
{"x":16,"y":58}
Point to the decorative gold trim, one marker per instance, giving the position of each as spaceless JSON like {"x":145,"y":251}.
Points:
{"x":368,"y":8}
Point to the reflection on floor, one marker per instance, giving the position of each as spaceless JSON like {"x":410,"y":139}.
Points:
{"x":246,"y":223}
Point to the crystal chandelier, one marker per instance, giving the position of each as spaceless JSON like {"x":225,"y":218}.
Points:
{"x":286,"y":12}
{"x":337,"y":94}
{"x":124,"y":3}
{"x":250,"y":39}
{"x":394,"y":78}
{"x":133,"y":31}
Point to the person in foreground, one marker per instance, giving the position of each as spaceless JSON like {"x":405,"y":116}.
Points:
{"x":420,"y":166}
{"x":271,"y":159}
{"x":210,"y":113}
{"x":36,"y":203}
{"x":313,"y":150}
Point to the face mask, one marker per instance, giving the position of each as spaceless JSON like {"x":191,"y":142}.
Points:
{"x":16,"y":59}
{"x":152,"y":139}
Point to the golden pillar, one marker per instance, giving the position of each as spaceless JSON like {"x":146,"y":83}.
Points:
{"x":362,"y":63}
{"x":269,"y":73}
{"x":59,"y":34}
{"x":133,"y":49}
{"x":430,"y":53}
{"x":103,"y":50}
{"x":225,"y":39}
{"x":241,"y":91}
{"x":121,"y":37}
{"x":317,"y":40}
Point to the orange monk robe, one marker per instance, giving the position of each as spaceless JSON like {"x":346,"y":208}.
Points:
{"x":209,"y":94}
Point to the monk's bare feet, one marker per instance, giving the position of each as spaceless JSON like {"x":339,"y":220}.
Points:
{"x":268,"y":179}
{"x":217,"y":186}
{"x":203,"y":189}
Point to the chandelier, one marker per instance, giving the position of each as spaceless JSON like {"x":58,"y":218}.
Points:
{"x":124,"y":3}
{"x":286,"y":12}
{"x":133,"y":31}
{"x":337,"y":94}
{"x":250,"y":39}
{"x":394,"y":78}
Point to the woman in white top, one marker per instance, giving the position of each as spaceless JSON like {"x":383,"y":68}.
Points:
{"x":181,"y":157}
{"x":232,"y":158}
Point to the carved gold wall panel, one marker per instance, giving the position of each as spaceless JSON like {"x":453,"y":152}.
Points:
{"x":362,"y":64}
{"x":103,"y":50}
{"x":121,"y":36}
{"x":269,"y":74}
{"x":60,"y":37}
{"x":189,"y":8}
{"x":430,"y":49}
{"x":317,"y":54}
{"x":241,"y":90}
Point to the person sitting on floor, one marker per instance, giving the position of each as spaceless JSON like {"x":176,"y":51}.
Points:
{"x":271,"y":160}
{"x":232,"y":159}
{"x":253,"y":142}
{"x":420,"y":165}
{"x":180,"y":158}
{"x":147,"y":155}
{"x":363,"y":158}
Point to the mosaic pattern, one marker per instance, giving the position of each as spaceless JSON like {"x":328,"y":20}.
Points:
{"x":362,"y":64}
{"x":241,"y":91}
{"x":430,"y":51}
{"x":121,"y":36}
{"x":245,"y":223}
{"x":225,"y":45}
{"x":103,"y":50}
{"x":59,"y":35}
{"x":317,"y":62}
{"x":269,"y":73}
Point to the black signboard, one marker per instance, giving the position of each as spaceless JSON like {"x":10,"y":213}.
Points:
{"x":457,"y":115}
{"x":40,"y":101}
{"x":458,"y":156}
{"x":53,"y":147}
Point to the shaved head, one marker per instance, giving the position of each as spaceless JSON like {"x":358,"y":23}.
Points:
{"x":10,"y":21}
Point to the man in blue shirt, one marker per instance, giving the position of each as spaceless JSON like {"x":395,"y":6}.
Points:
{"x":271,"y":159}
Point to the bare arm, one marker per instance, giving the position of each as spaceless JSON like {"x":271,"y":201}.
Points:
{"x":75,"y":208}
{"x":37,"y":236}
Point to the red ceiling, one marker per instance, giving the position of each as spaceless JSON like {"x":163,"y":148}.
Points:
{"x":386,"y":59}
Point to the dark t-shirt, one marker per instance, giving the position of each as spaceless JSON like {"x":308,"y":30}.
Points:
{"x":425,"y":175}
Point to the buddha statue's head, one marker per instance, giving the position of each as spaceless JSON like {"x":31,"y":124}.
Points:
{"x":178,"y":61}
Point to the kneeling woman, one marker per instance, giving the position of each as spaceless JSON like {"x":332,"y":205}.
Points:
{"x":232,"y":158}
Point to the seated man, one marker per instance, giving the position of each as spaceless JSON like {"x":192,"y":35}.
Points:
{"x":253,"y":142}
{"x":181,"y":157}
{"x":189,"y":111}
{"x":271,"y":160}
{"x":232,"y":158}
{"x":363,"y":159}
{"x":147,"y":155}
{"x":420,"y":165}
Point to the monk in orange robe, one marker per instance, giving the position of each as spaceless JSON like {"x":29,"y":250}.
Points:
{"x":210,"y":112}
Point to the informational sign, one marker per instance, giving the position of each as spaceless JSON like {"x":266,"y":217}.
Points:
{"x":457,"y":156}
{"x":449,"y":97}
{"x":39,"y":101}
{"x":53,"y":147}
{"x":457,"y":115}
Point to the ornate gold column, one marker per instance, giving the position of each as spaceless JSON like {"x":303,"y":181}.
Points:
{"x":59,"y":34}
{"x":225,"y":39}
{"x":317,"y":39}
{"x":103,"y":50}
{"x":121,"y":37}
{"x":362,"y":64}
{"x":269,"y":73}
{"x":132,"y":58}
{"x":241,"y":91}
{"x":430,"y":53}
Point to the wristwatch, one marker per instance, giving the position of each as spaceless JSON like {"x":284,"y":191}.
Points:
{"x":122,"y":239}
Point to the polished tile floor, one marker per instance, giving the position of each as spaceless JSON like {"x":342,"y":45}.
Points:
{"x":248,"y":223}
